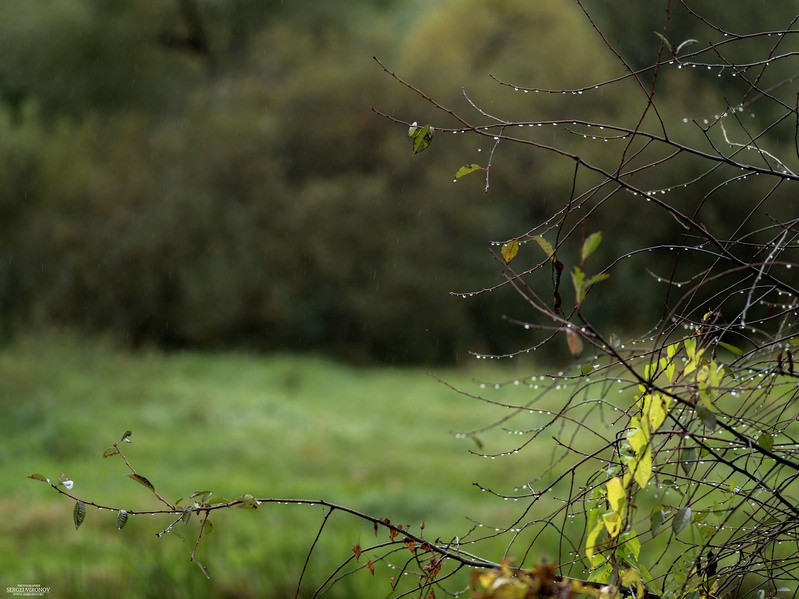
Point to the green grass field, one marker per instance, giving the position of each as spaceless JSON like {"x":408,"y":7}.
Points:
{"x":377,"y":439}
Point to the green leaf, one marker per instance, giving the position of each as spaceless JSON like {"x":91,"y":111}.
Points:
{"x":79,"y":513}
{"x":629,"y":546}
{"x":509,"y":251}
{"x":665,"y":41}
{"x":203,"y":569}
{"x":248,"y":502}
{"x":766,"y":441}
{"x":122,"y":519}
{"x":656,"y":519}
{"x":690,"y":347}
{"x":422,"y":138}
{"x":110,"y":451}
{"x":142,"y":481}
{"x":544,"y":245}
{"x":208,"y":526}
{"x":681,"y":519}
{"x":197,"y":493}
{"x":731,"y":348}
{"x":596,"y":279}
{"x":590,"y":245}
{"x":578,"y":280}
{"x":41,"y":477}
{"x":684,"y":44}
{"x":413,"y":129}
{"x":586,"y":369}
{"x":186,"y":515}
{"x":466,"y":169}
{"x":707,"y":417}
{"x":688,"y":459}
{"x":601,"y":575}
{"x":591,"y":539}
{"x":126,"y":437}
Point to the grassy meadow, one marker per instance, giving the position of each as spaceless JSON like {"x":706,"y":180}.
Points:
{"x":377,"y":439}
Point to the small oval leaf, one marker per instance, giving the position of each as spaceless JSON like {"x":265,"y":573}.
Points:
{"x":684,"y":44}
{"x":731,"y":348}
{"x":41,"y":477}
{"x":248,"y":502}
{"x":765,"y":441}
{"x":79,"y":513}
{"x":665,"y":41}
{"x":574,"y":342}
{"x":110,"y":451}
{"x":509,"y":251}
{"x":590,"y":245}
{"x":656,"y":519}
{"x":544,"y":245}
{"x":122,"y":519}
{"x":467,"y":169}
{"x":578,"y":280}
{"x":203,"y":569}
{"x":707,"y":417}
{"x":422,"y":138}
{"x":681,"y":519}
{"x":688,"y":459}
{"x":596,"y":279}
{"x":142,"y":481}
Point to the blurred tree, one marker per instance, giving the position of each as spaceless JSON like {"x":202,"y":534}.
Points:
{"x":261,"y":201}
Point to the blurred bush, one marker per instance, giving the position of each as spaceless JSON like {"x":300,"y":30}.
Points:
{"x":240,"y":192}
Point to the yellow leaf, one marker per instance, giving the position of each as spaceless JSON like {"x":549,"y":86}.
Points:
{"x":655,"y":409}
{"x":545,"y":245}
{"x":638,"y":437}
{"x":616,"y":496}
{"x":486,"y":579}
{"x":612,"y":522}
{"x":509,"y":251}
{"x":608,"y":592}
{"x":590,"y":540}
{"x":643,"y":468}
{"x":629,"y":576}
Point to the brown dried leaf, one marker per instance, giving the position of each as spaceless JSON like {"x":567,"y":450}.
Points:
{"x":574,"y":342}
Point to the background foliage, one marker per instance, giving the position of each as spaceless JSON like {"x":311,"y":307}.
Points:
{"x":210,"y":174}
